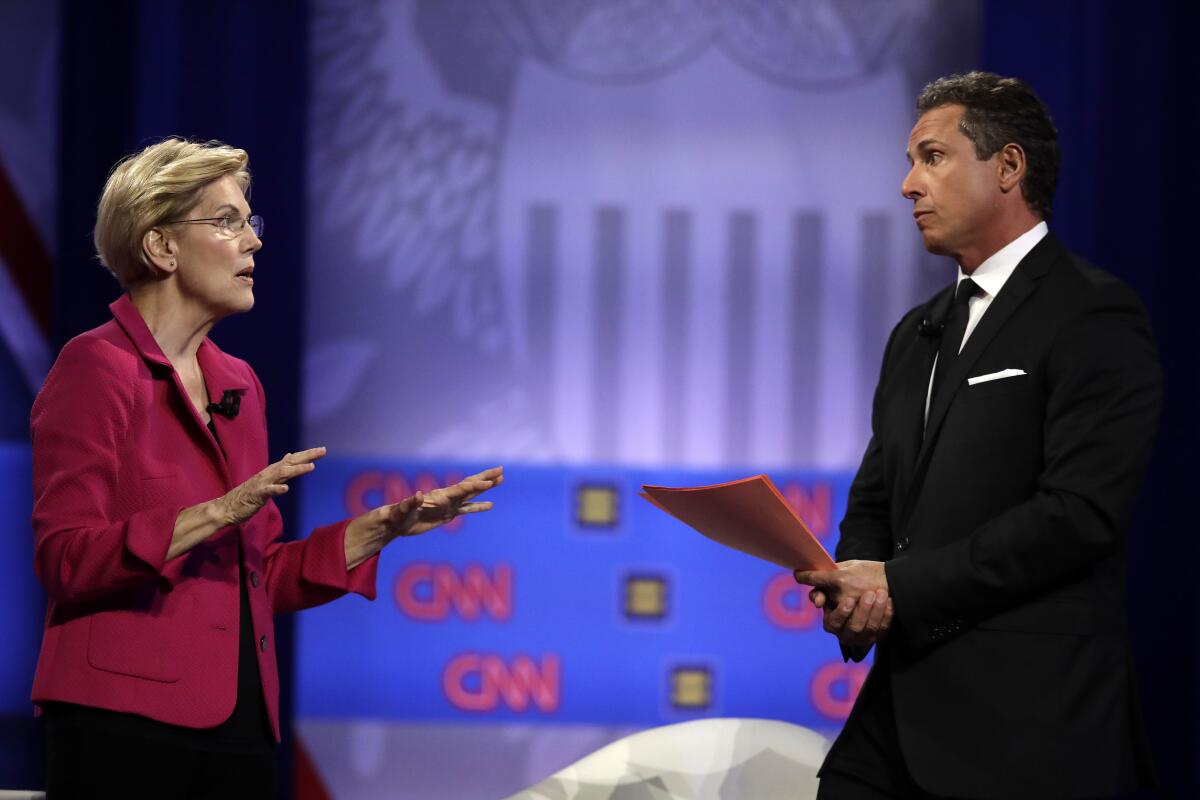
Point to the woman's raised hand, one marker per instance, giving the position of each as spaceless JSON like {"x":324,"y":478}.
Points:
{"x":243,"y":502}
{"x":425,"y":511}
{"x":414,"y":515}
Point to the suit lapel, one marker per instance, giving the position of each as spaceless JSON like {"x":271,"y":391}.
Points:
{"x":914,"y":371}
{"x":1017,"y":289}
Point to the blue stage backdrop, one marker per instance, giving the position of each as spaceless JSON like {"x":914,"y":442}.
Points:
{"x":602,"y":244}
{"x":574,"y":601}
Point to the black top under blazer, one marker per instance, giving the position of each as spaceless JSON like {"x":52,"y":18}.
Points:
{"x":1003,"y":526}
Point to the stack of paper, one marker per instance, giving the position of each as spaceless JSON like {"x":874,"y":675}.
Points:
{"x":748,"y":515}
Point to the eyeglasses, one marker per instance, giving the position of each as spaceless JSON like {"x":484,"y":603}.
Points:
{"x":228,"y":226}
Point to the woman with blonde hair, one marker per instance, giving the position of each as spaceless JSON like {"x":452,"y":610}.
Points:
{"x":156,"y":536}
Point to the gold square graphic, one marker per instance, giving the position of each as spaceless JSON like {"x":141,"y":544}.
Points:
{"x":645,"y":596}
{"x":596,"y":506}
{"x":691,"y":687}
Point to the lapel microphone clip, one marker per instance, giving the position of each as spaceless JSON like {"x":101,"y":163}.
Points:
{"x":231,"y":401}
{"x":930,"y":329}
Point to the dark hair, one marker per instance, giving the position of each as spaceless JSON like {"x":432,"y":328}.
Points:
{"x":1001,"y":111}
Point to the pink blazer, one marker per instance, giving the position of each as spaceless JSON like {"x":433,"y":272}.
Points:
{"x":118,"y":452}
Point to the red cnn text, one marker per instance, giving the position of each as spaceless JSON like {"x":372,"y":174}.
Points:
{"x":482,"y":681}
{"x":430,"y":592}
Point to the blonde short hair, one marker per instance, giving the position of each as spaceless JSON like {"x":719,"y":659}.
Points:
{"x":161,"y":183}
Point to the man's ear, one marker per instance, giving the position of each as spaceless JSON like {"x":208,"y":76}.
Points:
{"x":1011,"y":164}
{"x":160,"y":250}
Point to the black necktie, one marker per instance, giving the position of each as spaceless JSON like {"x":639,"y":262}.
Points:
{"x":952,"y":335}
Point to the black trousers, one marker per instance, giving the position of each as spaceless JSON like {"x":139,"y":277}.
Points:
{"x":82,"y":763}
{"x":865,"y":762}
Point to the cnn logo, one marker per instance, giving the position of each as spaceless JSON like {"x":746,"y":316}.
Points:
{"x":835,"y":686}
{"x":431,"y":592}
{"x":786,"y":604}
{"x":813,"y":503}
{"x":482,"y":681}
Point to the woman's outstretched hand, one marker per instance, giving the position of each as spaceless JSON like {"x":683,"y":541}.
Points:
{"x":197,"y":523}
{"x":244,"y":501}
{"x":417,"y":514}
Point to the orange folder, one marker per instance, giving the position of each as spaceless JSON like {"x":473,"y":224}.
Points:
{"x":748,"y":515}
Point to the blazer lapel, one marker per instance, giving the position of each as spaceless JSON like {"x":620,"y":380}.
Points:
{"x":130,"y":319}
{"x":1016,"y":290}
{"x":218,"y":379}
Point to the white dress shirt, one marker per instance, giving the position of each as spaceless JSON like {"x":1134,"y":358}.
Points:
{"x":990,"y":277}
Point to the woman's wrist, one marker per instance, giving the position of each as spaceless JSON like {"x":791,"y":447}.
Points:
{"x":365,"y":536}
{"x":217,"y":512}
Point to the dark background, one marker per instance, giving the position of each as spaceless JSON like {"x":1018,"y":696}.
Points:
{"x":1118,"y":77}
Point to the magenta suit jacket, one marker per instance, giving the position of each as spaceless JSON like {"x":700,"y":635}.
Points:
{"x":118,"y":452}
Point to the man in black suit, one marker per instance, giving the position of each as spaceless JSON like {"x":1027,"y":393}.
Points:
{"x":982,"y":552}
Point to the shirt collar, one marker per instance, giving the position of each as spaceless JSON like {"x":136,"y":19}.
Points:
{"x":992,"y":274}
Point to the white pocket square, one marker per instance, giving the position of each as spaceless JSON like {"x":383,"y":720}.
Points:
{"x":995,"y":376}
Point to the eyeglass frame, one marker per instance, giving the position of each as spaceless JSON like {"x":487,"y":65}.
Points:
{"x":227,"y":219}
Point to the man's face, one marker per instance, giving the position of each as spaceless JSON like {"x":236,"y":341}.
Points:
{"x":955,"y":195}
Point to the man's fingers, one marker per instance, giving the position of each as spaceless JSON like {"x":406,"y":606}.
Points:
{"x":862,"y":613}
{"x":835,"y":618}
{"x":824,"y":579}
{"x":878,"y":609}
{"x":474,"y":508}
{"x":817,"y":598}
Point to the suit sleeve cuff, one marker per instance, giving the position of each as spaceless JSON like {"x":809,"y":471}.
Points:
{"x":148,"y":535}
{"x":919,"y":627}
{"x":855,"y":654}
{"x":325,"y":562}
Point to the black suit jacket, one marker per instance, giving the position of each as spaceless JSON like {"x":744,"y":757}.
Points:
{"x":1003,"y":526}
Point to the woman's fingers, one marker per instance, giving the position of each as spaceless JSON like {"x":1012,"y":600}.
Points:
{"x":479,"y":482}
{"x":292,"y":465}
{"x":245,"y":500}
{"x":495,"y":475}
{"x":457,"y":494}
{"x":426,"y":510}
{"x":304,"y":456}
{"x":400,"y":513}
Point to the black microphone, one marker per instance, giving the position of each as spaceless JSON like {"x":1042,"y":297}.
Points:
{"x":929,"y":328}
{"x":231,"y":401}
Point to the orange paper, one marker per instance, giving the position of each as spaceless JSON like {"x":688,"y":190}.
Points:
{"x":748,"y":515}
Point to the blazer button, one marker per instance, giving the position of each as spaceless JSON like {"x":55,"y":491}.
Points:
{"x":262,"y":644}
{"x":902,"y":545}
{"x":254,"y":579}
